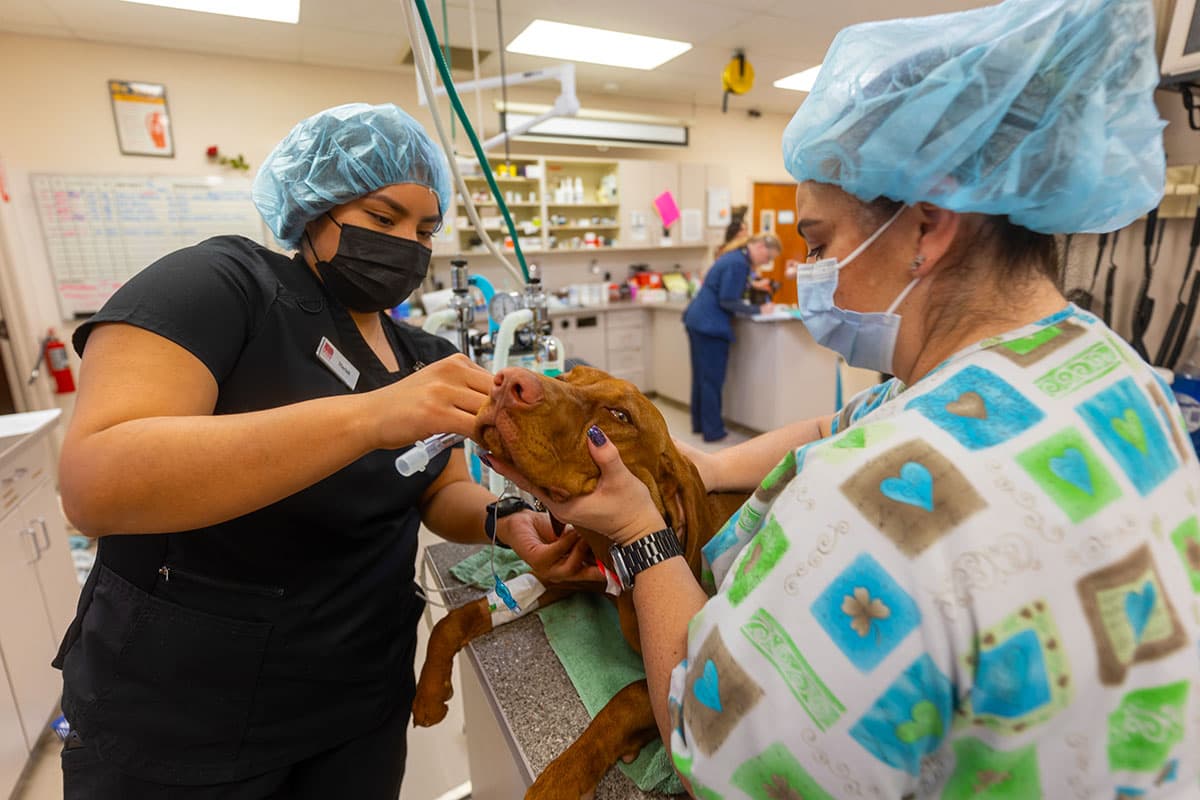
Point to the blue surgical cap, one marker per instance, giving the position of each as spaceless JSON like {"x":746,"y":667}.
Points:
{"x":341,"y":154}
{"x":1038,"y":110}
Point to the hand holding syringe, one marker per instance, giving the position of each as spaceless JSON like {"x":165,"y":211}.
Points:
{"x":415,"y":460}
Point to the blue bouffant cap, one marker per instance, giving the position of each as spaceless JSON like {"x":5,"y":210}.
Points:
{"x":1038,"y":110}
{"x":341,"y":154}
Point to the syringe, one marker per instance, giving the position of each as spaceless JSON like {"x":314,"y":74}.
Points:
{"x":415,"y":460}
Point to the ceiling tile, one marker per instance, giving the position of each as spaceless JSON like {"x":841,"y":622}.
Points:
{"x":28,"y":13}
{"x":365,"y":16}
{"x":332,"y":47}
{"x":780,"y":36}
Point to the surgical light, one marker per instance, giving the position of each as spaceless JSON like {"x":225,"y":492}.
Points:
{"x":800,"y":81}
{"x":595,"y":46}
{"x":269,"y":10}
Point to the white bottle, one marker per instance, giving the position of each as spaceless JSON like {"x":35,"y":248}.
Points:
{"x":578,"y":189}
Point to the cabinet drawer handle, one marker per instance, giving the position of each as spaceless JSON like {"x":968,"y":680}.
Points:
{"x":37,"y":550}
{"x":45,"y":533}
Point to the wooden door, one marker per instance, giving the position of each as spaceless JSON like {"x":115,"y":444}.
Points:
{"x":774,"y":209}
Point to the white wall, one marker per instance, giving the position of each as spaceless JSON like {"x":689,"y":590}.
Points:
{"x":57,"y":118}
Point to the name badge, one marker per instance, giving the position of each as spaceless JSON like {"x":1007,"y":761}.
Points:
{"x":337,"y":363}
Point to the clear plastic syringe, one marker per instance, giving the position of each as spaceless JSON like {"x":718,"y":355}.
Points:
{"x":415,"y":460}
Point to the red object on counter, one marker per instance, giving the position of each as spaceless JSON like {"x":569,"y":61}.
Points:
{"x":58,"y":364}
{"x":647,"y":280}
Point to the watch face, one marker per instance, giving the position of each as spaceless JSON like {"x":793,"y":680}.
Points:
{"x":509,"y":505}
{"x":503,"y":304}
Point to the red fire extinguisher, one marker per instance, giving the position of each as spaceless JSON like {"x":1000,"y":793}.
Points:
{"x":58,"y":364}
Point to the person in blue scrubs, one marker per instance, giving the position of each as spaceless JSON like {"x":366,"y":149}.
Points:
{"x":709,"y":323}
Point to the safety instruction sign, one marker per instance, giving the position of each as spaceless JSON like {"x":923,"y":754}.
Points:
{"x":143,"y":122}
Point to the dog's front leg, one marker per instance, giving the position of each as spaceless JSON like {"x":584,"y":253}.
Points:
{"x":452,"y":633}
{"x":619,"y":731}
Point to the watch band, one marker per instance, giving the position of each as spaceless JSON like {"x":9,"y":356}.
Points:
{"x":499,"y":509}
{"x":629,"y":560}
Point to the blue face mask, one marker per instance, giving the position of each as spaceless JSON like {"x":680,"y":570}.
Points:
{"x":864,"y":339}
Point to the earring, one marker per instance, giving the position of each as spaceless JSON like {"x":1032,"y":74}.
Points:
{"x":916,"y":263}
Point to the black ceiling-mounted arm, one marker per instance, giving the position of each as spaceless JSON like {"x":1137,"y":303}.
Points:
{"x":1189,"y":104}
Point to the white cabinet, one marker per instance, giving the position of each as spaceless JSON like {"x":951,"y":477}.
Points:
{"x":38,"y":588}
{"x":641,"y":182}
{"x":582,"y":336}
{"x":613,"y":340}
{"x":26,"y":637}
{"x":13,"y":750}
{"x":670,"y":356}
{"x":55,"y":567}
{"x":625,"y":334}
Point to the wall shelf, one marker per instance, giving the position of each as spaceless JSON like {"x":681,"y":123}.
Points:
{"x":649,"y":248}
{"x":506,"y":179}
{"x":510,"y":205}
{"x":582,"y":205}
{"x":597,"y":179}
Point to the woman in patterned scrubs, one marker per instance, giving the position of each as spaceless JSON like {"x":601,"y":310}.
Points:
{"x":982,"y":577}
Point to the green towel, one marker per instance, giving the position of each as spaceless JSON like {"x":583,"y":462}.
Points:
{"x":585,"y":633}
{"x":476,"y":569}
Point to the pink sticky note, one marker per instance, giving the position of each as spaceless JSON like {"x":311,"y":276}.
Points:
{"x":665,"y":203}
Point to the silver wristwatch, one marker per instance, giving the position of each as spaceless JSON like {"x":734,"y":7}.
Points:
{"x":628,"y":560}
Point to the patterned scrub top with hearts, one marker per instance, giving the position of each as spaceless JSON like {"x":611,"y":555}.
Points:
{"x":985,"y":585}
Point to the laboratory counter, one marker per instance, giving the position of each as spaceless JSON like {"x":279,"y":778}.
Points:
{"x":520,"y":707}
{"x":777,"y":373}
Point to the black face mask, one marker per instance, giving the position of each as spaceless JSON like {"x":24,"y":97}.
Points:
{"x":372,"y":271}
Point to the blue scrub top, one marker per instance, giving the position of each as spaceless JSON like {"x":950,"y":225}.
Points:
{"x":720,"y":297}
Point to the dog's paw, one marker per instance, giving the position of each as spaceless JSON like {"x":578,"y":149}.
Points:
{"x":429,"y":707}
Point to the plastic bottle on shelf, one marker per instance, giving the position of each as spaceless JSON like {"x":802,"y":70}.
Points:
{"x":578,"y":194}
{"x":1187,"y":388}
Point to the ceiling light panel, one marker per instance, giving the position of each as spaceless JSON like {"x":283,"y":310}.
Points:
{"x":801,"y":81}
{"x":269,"y":10}
{"x":564,"y":42}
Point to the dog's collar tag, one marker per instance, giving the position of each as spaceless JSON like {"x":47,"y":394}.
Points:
{"x":337,"y":363}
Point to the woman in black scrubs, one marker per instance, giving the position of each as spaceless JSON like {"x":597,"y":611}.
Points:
{"x":248,"y":630}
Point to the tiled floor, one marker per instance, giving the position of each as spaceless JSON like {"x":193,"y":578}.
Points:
{"x":437,"y":757}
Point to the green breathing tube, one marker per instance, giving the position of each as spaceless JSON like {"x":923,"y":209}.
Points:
{"x":456,"y":104}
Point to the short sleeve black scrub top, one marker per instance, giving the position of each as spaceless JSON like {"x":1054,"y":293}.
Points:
{"x":216,"y":654}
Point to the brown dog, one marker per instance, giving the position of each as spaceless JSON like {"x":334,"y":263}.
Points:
{"x":538,"y":424}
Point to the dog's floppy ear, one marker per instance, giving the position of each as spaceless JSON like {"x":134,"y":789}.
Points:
{"x":684,"y":496}
{"x":582,"y":375}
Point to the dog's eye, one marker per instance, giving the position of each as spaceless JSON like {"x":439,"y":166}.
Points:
{"x":620,"y":415}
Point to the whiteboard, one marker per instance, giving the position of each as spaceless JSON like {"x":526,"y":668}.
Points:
{"x":100,"y":230}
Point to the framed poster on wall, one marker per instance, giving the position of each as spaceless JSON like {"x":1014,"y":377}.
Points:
{"x":142,"y":119}
{"x":718,"y":208}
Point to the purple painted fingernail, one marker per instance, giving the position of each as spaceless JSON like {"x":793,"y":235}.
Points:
{"x":597,"y":436}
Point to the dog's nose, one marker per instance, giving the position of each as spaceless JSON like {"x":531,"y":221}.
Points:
{"x":517,"y":386}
